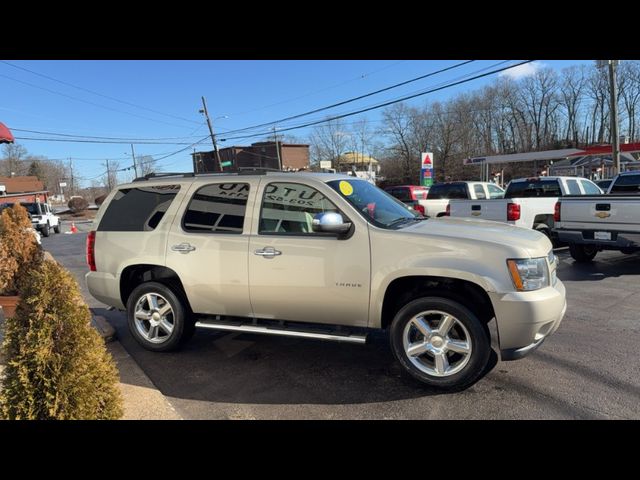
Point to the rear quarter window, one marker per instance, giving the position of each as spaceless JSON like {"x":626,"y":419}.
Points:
{"x":448,"y":191}
{"x":137,"y":209}
{"x":533,"y":188}
{"x":627,"y":184}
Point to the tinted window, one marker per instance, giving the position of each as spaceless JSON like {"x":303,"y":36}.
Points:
{"x":495,"y":192}
{"x":137,"y":209}
{"x":573,"y":187}
{"x":448,"y":190}
{"x":375,"y":205}
{"x":403,"y":194}
{"x":590,"y":188}
{"x":480,"y":195}
{"x":627,"y":184}
{"x":533,"y":188}
{"x":32,"y":208}
{"x":217,"y":208}
{"x":290,"y":208}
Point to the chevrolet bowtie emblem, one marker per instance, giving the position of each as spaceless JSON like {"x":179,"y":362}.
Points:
{"x":603,"y":214}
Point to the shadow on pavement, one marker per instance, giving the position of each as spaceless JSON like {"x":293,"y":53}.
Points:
{"x":601,"y":268}
{"x":259,"y":369}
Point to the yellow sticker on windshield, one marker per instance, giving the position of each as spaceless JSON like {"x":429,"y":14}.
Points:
{"x":345,"y":188}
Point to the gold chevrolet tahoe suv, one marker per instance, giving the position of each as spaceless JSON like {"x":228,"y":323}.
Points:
{"x":323,"y":256}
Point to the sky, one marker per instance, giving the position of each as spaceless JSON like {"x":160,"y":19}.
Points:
{"x":155,"y":104}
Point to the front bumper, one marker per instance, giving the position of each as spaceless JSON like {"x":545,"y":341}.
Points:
{"x":618,"y":239}
{"x":525,"y":319}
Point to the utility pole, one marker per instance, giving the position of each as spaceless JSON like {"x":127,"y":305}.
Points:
{"x":213,"y":137}
{"x":613,"y":92}
{"x":73,"y":189}
{"x":275,"y":137}
{"x":108,"y":175}
{"x":135,"y":167}
{"x":615,"y":140}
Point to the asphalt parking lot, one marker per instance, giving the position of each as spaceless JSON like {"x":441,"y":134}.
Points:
{"x":590,"y":369}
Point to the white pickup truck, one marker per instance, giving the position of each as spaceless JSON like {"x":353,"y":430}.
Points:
{"x":528,"y":202}
{"x":441,"y":193}
{"x":611,"y":222}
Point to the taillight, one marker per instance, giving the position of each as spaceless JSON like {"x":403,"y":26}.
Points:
{"x":419,"y":208}
{"x":447,"y":212}
{"x":91,"y":250}
{"x":556,"y":212}
{"x":513,"y":212}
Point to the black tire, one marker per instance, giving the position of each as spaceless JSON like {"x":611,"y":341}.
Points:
{"x":583,"y":253}
{"x":179,"y":317}
{"x":56,"y":229}
{"x":544,"y":228}
{"x":45,"y":230}
{"x":477,"y":334}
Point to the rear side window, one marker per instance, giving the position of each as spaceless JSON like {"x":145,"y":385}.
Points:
{"x":480,"y":195}
{"x":533,"y":188}
{"x":447,"y":190}
{"x":574,"y":189}
{"x":138,"y":209}
{"x":403,"y":194}
{"x":626,"y":184}
{"x":217,"y":208}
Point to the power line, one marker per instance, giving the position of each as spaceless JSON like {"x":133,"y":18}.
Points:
{"x":97,"y":93}
{"x":135,"y":140}
{"x":127,"y":142}
{"x":385,"y":104}
{"x":350,"y":100}
{"x":319,"y":91}
{"x":88,"y":102}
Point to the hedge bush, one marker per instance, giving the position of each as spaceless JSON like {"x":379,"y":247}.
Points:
{"x":20,"y":252}
{"x":57,"y":366}
{"x":78,"y":204}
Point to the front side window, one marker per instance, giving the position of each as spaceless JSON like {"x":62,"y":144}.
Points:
{"x":217,"y":208}
{"x":289,"y":208}
{"x":495,"y":192}
{"x":374,"y":204}
{"x":137,"y":209}
{"x":590,"y":188}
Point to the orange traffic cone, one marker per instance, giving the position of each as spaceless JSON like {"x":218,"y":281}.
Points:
{"x":74,"y":229}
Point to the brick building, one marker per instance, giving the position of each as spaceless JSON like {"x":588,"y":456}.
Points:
{"x":293,"y":156}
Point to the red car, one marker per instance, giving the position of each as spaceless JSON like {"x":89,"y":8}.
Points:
{"x":409,"y":194}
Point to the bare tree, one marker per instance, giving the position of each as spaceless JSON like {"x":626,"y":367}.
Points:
{"x":13,"y":164}
{"x":572,"y":91}
{"x":629,"y":92}
{"x":329,"y":141}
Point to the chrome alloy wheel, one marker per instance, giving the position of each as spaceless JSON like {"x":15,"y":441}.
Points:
{"x":437,"y":343}
{"x":154,"y":318}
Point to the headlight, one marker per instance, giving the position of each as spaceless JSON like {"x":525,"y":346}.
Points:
{"x":529,"y":273}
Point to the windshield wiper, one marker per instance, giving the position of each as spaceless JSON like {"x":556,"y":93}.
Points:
{"x":400,"y":221}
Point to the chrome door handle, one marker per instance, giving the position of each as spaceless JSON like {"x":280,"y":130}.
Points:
{"x":183,"y":248}
{"x":268,"y":252}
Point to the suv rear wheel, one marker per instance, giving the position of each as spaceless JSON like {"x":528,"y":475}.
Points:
{"x":440,"y":342}
{"x":157,"y":318}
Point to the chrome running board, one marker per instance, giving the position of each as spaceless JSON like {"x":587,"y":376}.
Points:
{"x":282,"y":330}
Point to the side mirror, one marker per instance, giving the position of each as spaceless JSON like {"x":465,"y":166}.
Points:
{"x":330,"y":222}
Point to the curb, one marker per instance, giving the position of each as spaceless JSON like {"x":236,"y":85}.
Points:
{"x":104,"y":328}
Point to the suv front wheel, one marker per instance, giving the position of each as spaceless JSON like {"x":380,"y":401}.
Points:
{"x":440,"y":342}
{"x":157,"y":318}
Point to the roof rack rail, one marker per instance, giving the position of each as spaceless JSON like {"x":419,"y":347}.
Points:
{"x":149,"y":176}
{"x":257,"y":170}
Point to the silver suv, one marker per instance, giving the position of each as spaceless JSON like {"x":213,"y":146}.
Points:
{"x":321,"y":256}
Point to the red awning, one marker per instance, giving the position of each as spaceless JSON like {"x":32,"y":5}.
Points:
{"x":5,"y":134}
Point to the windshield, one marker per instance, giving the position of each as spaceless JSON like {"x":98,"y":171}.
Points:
{"x":374,"y":204}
